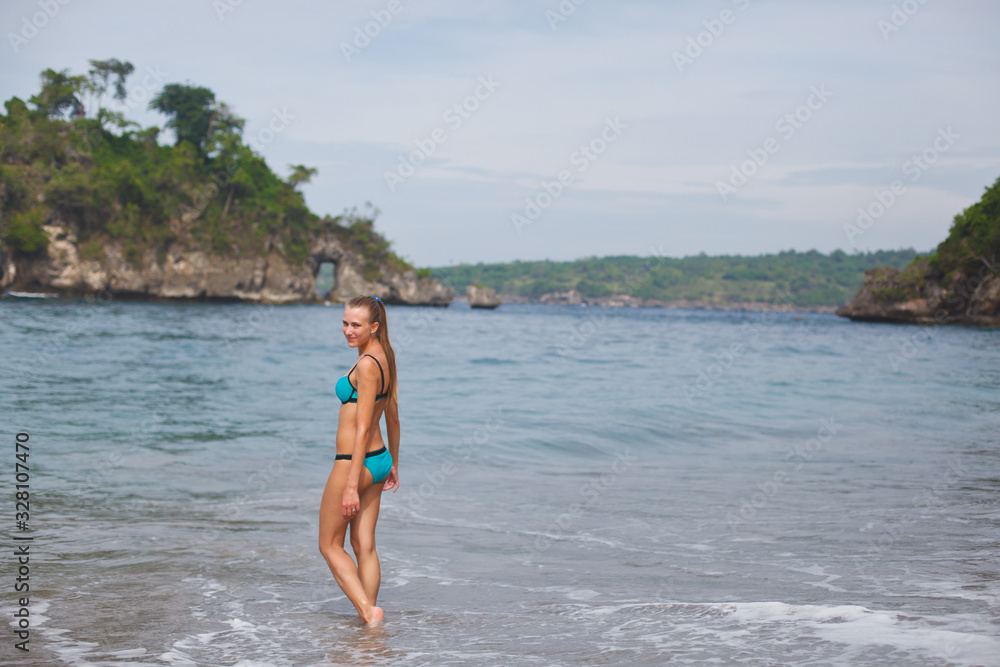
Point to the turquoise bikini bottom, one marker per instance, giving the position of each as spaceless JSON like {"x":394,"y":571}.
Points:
{"x":379,"y":463}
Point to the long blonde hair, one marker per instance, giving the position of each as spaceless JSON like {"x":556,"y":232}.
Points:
{"x":376,"y":313}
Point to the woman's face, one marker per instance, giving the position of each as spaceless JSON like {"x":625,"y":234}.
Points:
{"x":357,"y":328}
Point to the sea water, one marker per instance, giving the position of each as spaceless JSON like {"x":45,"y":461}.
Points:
{"x":579,"y":485}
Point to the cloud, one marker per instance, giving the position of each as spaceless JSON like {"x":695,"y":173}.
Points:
{"x":356,"y":117}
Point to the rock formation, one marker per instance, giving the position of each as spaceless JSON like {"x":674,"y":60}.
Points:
{"x":958,"y":284}
{"x":482,"y":297}
{"x":568,"y":298}
{"x":918,"y":296}
{"x":193,"y":274}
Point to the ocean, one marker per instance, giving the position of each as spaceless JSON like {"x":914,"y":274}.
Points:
{"x":579,"y":485}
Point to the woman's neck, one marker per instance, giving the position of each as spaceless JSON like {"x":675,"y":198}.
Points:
{"x":368,"y":347}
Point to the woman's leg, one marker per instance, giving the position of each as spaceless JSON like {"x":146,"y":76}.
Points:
{"x":363,"y":540}
{"x":332,"y":528}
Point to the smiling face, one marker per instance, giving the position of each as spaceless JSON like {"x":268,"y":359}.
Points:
{"x":357,"y":328}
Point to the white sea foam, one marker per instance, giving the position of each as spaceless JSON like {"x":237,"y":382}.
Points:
{"x":127,"y":653}
{"x":177,"y":658}
{"x":585,"y":594}
{"x":696,"y":547}
{"x":834,"y":634}
{"x":988,"y":592}
{"x":939,"y":637}
{"x":71,"y":651}
{"x":820,"y":571}
{"x":242,"y":637}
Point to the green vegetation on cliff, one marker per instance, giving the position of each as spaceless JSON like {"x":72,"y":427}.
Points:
{"x":807,"y":278}
{"x":111,"y":180}
{"x":970,"y":250}
{"x":974,"y":237}
{"x":958,"y":283}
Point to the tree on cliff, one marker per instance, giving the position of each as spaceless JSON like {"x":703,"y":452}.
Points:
{"x":99,"y":78}
{"x":195,"y":116}
{"x":60,"y":93}
{"x":301,"y":174}
{"x":974,"y":237}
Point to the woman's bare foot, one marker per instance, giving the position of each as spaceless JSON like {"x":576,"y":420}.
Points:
{"x":376,"y":619}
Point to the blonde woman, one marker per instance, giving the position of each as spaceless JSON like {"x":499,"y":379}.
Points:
{"x":364,"y":466}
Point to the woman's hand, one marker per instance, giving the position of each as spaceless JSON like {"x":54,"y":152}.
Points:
{"x":351,"y":503}
{"x":392,"y":480}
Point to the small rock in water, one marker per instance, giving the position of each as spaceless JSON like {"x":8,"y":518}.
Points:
{"x":482,"y":297}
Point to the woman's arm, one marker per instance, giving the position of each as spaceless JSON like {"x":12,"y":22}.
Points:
{"x":392,"y":430}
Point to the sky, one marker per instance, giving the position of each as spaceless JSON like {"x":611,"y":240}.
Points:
{"x":491,"y":131}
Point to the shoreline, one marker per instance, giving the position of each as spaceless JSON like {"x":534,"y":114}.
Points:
{"x":625,"y":301}
{"x":621,"y":301}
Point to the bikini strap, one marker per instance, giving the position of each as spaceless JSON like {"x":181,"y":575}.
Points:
{"x":379,"y":372}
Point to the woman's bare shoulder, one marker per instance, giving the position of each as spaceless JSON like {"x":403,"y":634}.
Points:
{"x":369,"y":366}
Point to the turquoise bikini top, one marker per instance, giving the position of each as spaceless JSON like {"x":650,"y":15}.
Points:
{"x":348,"y":393}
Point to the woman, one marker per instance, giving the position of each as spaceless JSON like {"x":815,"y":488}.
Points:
{"x":363,"y":468}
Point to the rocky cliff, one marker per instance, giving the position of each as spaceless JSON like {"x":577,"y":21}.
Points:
{"x":193,"y":274}
{"x":958,"y":284}
{"x":918,"y":295}
{"x":100,"y":204}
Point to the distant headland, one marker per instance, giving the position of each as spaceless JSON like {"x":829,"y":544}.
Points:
{"x":789,"y":280}
{"x":958,"y":284}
